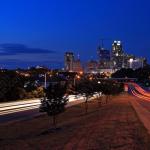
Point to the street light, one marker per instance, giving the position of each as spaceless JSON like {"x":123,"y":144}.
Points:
{"x":99,"y":82}
{"x":76,"y":77}
{"x":131,"y":62}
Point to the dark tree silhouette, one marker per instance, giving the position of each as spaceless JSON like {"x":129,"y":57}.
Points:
{"x":97,"y":86}
{"x":85,"y":88}
{"x":111,"y":88}
{"x":55,"y":101}
{"x":122,"y":73}
{"x":11,"y":86}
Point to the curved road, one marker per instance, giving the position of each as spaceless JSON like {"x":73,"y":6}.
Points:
{"x":142,"y":96}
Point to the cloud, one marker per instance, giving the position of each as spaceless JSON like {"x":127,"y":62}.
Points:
{"x":19,"y":55}
{"x":13,"y":49}
{"x":13,"y":63}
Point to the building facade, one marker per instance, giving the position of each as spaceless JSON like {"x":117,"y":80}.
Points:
{"x":117,"y":55}
{"x":107,"y":61}
{"x":103,"y":54}
{"x":77,"y":66}
{"x":135,"y":63}
{"x":69,"y":59}
{"x":91,"y":66}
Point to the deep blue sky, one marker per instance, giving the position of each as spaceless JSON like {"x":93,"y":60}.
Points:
{"x":36,"y":32}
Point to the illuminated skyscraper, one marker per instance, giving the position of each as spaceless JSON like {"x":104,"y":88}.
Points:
{"x":69,"y":59}
{"x":117,"y":55}
{"x":92,"y":66}
{"x":117,"y":48}
{"x":103,"y":54}
{"x":77,"y":66}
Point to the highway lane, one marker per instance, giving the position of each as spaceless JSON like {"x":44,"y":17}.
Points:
{"x":22,"y":115}
{"x":22,"y":110}
{"x":18,"y":106}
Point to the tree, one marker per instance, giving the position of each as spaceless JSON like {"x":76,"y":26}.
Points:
{"x":85,"y":88}
{"x":97,"y":86}
{"x":11,"y":85}
{"x":111,"y":88}
{"x":55,"y":101}
{"x":123,"y":73}
{"x":106,"y":89}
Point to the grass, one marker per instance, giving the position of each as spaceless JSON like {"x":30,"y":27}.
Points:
{"x":112,"y":126}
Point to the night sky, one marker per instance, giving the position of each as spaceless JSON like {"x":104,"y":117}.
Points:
{"x":38,"y":32}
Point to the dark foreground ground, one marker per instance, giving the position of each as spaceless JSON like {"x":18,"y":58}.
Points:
{"x":114,"y":126}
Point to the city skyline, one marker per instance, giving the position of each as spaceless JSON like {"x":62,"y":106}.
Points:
{"x":19,"y":49}
{"x":107,"y":60}
{"x":40,"y":32}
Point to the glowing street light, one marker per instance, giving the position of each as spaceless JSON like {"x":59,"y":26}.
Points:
{"x":90,"y":78}
{"x":76,"y":77}
{"x":131,"y":62}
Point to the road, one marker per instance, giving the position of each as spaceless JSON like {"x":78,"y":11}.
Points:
{"x":27,"y":109}
{"x":143,"y":96}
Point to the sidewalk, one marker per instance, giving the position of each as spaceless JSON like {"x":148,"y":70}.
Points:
{"x":113,"y":126}
{"x":143,"y":113}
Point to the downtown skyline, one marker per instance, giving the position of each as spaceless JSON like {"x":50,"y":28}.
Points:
{"x":40,"y":32}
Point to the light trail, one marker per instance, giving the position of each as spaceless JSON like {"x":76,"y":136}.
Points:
{"x":140,"y":90}
{"x":13,"y":107}
{"x":5,"y":104}
{"x":140,"y":96}
{"x":18,"y":110}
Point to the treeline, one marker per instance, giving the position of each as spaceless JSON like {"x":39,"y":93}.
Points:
{"x":142,"y":74}
{"x":14,"y":86}
{"x":56,"y":95}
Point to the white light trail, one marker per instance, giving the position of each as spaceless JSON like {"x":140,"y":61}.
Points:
{"x":13,"y":107}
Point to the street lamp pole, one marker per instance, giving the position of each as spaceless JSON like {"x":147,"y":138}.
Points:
{"x":45,"y":80}
{"x":45,"y":86}
{"x":74,"y":81}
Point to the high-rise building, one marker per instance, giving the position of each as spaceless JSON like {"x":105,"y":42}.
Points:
{"x":135,"y":63}
{"x":77,"y":66}
{"x":69,"y":59}
{"x":117,"y":48}
{"x":92,"y":66}
{"x":117,"y":55}
{"x":103,"y":54}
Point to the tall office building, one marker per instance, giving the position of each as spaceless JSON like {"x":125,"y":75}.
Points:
{"x":69,"y":60}
{"x":105,"y":62}
{"x":91,"y":66}
{"x":103,"y":54}
{"x":117,"y":55}
{"x":117,"y":48}
{"x":77,"y":66}
{"x":136,"y":63}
